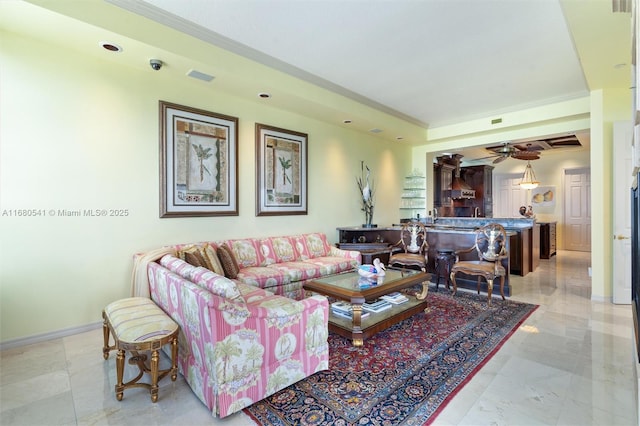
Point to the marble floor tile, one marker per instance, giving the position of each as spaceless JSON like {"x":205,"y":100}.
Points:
{"x":569,"y":363}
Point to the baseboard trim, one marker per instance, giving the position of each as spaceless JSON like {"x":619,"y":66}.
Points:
{"x":38,"y":338}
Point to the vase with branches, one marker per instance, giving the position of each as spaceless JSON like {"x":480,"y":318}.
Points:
{"x":366,"y":186}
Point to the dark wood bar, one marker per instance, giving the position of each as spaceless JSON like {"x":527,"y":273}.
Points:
{"x":369,"y":240}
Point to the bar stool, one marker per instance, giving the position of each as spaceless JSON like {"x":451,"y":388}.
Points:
{"x":445,"y":258}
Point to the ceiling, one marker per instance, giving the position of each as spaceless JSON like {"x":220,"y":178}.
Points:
{"x":432,"y":61}
{"x":426,"y":62}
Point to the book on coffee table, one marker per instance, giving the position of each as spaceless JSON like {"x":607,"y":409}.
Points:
{"x":344,"y":307}
{"x":377,"y":306}
{"x":349,"y":315}
{"x":396,"y":298}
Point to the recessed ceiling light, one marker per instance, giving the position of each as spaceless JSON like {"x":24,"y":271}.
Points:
{"x":399,"y":138}
{"x":264,"y":95}
{"x":110,"y":46}
{"x":619,"y":66}
{"x":346,"y":121}
{"x":376,"y":130}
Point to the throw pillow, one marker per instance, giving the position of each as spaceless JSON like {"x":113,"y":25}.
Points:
{"x":194,"y":258}
{"x":228,"y":260}
{"x":202,"y":255}
{"x":213,"y":262}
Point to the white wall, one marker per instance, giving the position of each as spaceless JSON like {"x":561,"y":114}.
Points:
{"x":549,"y":170}
{"x":81,"y":133}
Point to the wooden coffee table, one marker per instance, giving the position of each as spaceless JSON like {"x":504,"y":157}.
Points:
{"x":346,"y":286}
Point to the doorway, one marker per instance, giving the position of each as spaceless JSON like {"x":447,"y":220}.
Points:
{"x":508,"y":195}
{"x":577,"y":209}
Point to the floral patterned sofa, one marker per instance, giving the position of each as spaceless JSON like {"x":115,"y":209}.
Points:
{"x":278,"y":264}
{"x":239,"y":341}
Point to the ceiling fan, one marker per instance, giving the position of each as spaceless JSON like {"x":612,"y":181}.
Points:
{"x":508,"y":150}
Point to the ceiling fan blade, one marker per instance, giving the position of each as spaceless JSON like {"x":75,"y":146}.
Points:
{"x":526,"y":155}
{"x":484,"y":158}
{"x":499,"y":160}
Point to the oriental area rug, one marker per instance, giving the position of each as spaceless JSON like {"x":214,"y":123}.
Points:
{"x":403,"y":375}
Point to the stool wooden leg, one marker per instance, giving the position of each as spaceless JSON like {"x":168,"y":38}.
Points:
{"x":154,"y":375}
{"x":105,"y":334}
{"x":174,"y":359}
{"x":119,"y":374}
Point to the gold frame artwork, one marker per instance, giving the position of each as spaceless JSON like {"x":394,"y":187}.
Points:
{"x":198,"y":162}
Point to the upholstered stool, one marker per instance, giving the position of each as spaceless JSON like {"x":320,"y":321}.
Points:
{"x":445,"y":259}
{"x":138,"y":324}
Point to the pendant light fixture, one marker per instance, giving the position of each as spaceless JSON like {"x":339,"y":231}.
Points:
{"x":528,"y":180}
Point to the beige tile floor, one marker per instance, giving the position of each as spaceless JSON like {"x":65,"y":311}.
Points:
{"x":569,"y":364}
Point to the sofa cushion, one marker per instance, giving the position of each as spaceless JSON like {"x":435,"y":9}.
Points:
{"x":263,"y":276}
{"x":334,"y":265}
{"x":246,"y":251}
{"x":215,"y":283}
{"x":311,"y":245}
{"x":298,"y":271}
{"x":284,"y":249}
{"x":176,"y":265}
{"x":228,"y":261}
{"x":267,"y":252}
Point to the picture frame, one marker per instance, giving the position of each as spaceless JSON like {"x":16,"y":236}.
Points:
{"x":281,"y":171}
{"x":198,"y":162}
{"x":543,"y":196}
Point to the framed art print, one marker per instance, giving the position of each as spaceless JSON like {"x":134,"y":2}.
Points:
{"x":543,"y":196}
{"x":281,"y":171}
{"x":198,"y":162}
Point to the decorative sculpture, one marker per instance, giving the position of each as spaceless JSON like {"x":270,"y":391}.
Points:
{"x":372,"y":272}
{"x":366,"y":191}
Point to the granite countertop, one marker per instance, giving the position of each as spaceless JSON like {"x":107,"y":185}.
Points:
{"x":473,"y":222}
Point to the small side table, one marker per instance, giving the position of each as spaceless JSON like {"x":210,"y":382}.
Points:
{"x":138,"y":324}
{"x":444,"y":261}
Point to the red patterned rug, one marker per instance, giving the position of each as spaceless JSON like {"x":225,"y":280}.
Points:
{"x":405,"y":374}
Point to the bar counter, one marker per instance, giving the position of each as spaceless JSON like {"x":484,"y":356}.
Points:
{"x":446,"y":233}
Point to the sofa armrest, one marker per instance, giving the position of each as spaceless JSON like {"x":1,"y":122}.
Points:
{"x":349,"y":254}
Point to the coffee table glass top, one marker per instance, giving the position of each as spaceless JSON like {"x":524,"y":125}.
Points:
{"x":353,"y":281}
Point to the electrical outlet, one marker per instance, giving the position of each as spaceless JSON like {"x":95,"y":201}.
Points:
{"x":589,"y":270}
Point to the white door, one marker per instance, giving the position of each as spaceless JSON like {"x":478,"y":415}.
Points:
{"x":622,"y":179}
{"x":577,"y":209}
{"x":509,"y":195}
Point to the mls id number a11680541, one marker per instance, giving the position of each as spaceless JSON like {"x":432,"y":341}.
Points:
{"x":65,"y":212}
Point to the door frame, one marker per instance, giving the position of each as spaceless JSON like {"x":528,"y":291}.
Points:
{"x":565,"y":221}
